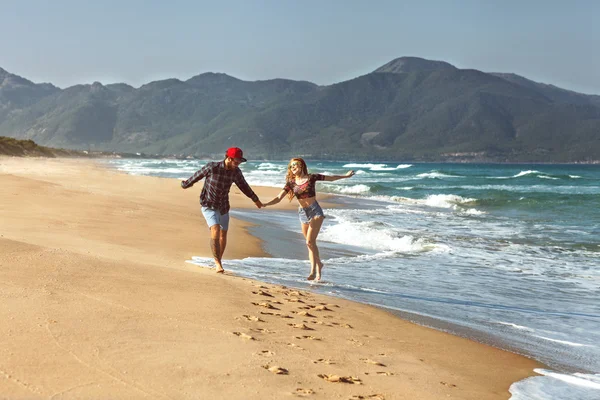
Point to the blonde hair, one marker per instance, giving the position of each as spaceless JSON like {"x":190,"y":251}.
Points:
{"x":290,"y":177}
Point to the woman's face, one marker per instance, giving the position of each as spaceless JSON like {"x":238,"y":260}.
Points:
{"x":296,"y":167}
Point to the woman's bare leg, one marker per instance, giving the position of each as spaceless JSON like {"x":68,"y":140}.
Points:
{"x":314,"y":227}
{"x":313,"y":270}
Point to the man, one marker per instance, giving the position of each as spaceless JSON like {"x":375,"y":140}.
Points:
{"x":214,"y":197}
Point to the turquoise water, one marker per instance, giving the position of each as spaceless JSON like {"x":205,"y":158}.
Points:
{"x":506,"y":254}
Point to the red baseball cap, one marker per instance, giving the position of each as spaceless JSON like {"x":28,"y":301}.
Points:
{"x":235,"y":152}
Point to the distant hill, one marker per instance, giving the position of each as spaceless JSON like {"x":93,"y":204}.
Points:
{"x":408,"y":109}
{"x":28,"y":148}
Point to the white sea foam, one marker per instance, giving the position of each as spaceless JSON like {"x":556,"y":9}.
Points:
{"x":520,"y":174}
{"x":370,"y":234}
{"x":554,"y":385}
{"x":435,"y":174}
{"x":354,"y":189}
{"x":528,"y":172}
{"x":565,"y":342}
{"x":270,"y":166}
{"x":264,"y":181}
{"x":354,"y":165}
{"x":378,"y":167}
{"x":434,"y":200}
{"x":523,"y":328}
{"x":471,"y":211}
{"x":446,"y":200}
{"x":402,"y":166}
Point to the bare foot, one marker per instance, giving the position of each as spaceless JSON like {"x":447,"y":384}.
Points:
{"x":319,"y":268}
{"x":219,"y":267}
{"x":311,"y":277}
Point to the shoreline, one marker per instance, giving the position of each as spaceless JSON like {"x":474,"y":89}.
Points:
{"x":97,"y":289}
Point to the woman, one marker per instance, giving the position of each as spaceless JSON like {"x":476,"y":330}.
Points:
{"x":301,"y":184}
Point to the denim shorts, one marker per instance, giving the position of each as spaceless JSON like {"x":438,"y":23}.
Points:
{"x":214,"y":217}
{"x":308,"y":213}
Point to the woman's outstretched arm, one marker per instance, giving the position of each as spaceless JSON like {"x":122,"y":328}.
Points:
{"x":277,"y":199}
{"x":331,"y":178}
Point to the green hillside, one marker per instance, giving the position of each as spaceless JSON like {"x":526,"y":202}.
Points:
{"x":409,"y":109}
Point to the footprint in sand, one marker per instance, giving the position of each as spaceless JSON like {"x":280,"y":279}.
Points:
{"x":261,"y":286}
{"x":355,"y":342}
{"x":301,"y":326}
{"x":448,"y":384}
{"x":321,"y":308}
{"x":348,"y":326}
{"x":276,"y":314}
{"x":266,"y":305}
{"x":263,"y":293}
{"x":307,"y":337}
{"x":330,"y":305}
{"x":243,"y":335}
{"x":276,"y":370}
{"x":385,"y":373}
{"x":252,"y":318}
{"x":369,"y":361}
{"x":294,"y":345}
{"x":304,"y":314}
{"x":265,"y":353}
{"x":262,"y":330}
{"x":323,"y":361}
{"x":294,"y":300}
{"x":341,"y":379}
{"x":368,"y":396}
{"x":303,"y":392}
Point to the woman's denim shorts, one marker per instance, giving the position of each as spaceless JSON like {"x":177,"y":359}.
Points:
{"x":308,"y":213}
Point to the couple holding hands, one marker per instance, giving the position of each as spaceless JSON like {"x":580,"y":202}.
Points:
{"x":214,"y":200}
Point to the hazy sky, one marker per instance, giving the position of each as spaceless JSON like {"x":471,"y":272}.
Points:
{"x":67,"y":42}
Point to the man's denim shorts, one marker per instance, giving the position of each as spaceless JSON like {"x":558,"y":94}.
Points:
{"x":214,"y":217}
{"x":308,"y":213}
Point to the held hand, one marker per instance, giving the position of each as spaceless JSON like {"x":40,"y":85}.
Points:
{"x":259,"y":204}
{"x":350,"y":173}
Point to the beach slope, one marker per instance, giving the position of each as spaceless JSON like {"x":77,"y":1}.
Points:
{"x":96,"y":301}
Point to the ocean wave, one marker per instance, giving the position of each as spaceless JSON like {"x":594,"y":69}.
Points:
{"x":267,"y":165}
{"x":447,"y":200}
{"x":354,"y":189}
{"x":265,"y":172}
{"x":437,"y":175}
{"x":374,"y":235}
{"x":537,"y":174}
{"x":377,"y":167}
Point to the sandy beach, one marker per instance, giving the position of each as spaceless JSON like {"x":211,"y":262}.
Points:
{"x":97,"y":302}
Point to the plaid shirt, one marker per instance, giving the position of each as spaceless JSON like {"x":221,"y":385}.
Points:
{"x":215,"y":193}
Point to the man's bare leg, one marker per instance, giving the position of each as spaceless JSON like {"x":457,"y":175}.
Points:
{"x":215,"y":246}
{"x":223,"y":241}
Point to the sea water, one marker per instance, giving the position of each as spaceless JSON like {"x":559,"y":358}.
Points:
{"x":505,"y":254}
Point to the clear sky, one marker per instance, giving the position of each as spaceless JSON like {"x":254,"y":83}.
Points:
{"x":67,"y":42}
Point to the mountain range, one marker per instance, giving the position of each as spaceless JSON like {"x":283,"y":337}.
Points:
{"x":409,"y":109}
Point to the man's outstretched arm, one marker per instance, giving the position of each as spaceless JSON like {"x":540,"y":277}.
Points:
{"x":200,"y":174}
